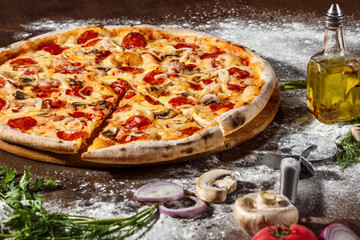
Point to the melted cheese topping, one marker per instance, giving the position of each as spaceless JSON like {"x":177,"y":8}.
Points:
{"x":74,"y":90}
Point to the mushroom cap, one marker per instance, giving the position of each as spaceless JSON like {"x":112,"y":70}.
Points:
{"x":262,"y":209}
{"x":214,"y":185}
{"x":207,"y":99}
{"x":355,"y":131}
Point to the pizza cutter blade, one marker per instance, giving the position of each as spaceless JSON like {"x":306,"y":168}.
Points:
{"x":307,"y":169}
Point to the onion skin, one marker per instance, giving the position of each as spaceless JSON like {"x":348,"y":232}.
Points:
{"x":337,"y":231}
{"x":197,"y":208}
{"x":140,"y":196}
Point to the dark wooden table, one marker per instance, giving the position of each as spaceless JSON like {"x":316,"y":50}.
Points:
{"x":83,"y":188}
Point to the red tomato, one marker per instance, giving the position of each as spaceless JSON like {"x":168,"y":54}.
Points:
{"x":292,"y":232}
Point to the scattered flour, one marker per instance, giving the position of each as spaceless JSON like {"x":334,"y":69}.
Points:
{"x":287,"y":43}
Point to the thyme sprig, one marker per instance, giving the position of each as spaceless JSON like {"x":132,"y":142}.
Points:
{"x":28,"y":219}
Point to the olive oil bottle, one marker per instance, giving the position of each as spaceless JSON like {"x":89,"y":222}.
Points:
{"x":333,"y":82}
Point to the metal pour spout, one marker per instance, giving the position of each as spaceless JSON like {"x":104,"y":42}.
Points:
{"x":334,"y":17}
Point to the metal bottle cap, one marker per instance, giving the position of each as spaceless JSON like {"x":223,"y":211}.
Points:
{"x":334,"y":17}
{"x":289,"y":178}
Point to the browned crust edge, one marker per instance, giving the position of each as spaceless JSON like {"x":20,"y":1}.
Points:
{"x":47,"y":144}
{"x":229,"y":121}
{"x":158,"y":151}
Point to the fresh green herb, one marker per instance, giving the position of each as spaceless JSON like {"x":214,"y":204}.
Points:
{"x":350,"y":153}
{"x":292,"y":84}
{"x":27,"y":219}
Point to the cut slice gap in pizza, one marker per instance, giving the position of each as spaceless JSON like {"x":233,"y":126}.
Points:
{"x":148,"y":131}
{"x":54,"y":110}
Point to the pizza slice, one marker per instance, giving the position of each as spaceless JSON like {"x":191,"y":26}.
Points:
{"x":204,"y":83}
{"x":55,"y":106}
{"x":145,"y":129}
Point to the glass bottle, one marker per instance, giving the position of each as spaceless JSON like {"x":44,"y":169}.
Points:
{"x":333,"y":83}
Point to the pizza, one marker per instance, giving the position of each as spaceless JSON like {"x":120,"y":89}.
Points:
{"x":129,"y":94}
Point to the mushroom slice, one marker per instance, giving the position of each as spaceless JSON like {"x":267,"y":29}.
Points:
{"x":262,"y":209}
{"x":166,"y":114}
{"x":110,"y":132}
{"x":20,"y":95}
{"x":355,"y":131}
{"x":207,"y":99}
{"x":26,"y":80}
{"x":214,"y":185}
{"x":158,"y":90}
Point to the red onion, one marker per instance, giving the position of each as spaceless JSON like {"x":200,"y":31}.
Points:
{"x":159,"y":191}
{"x":187,"y":205}
{"x":337,"y":231}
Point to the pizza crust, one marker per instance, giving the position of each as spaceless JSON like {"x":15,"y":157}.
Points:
{"x":151,"y":151}
{"x":157,"y":151}
{"x":46,"y":144}
{"x":234,"y":119}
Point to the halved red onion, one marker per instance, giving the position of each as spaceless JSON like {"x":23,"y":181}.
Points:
{"x":188,"y":205}
{"x":159,"y":191}
{"x":337,"y":231}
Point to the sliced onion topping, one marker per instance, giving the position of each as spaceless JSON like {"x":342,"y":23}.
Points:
{"x":337,"y":231}
{"x":187,"y":205}
{"x":159,"y":191}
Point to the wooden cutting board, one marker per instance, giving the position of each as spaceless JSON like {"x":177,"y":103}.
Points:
{"x":251,"y":129}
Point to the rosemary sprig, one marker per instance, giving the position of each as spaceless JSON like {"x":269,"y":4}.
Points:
{"x":292,"y":84}
{"x":27,"y":219}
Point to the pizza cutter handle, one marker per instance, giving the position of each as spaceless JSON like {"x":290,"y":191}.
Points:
{"x":289,"y":178}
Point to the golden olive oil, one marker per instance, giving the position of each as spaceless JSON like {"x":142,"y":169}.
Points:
{"x":333,"y":89}
{"x":333,"y":83}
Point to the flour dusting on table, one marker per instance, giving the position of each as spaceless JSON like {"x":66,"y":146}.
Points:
{"x":287,"y":44}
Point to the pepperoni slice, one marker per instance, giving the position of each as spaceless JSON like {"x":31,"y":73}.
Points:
{"x":70,"y":136}
{"x":207,"y":81}
{"x":55,"y":104}
{"x":236,"y":88}
{"x":120,"y":86}
{"x":186,"y":45}
{"x":178,"y":101}
{"x":81,"y":114}
{"x":2,"y":103}
{"x":53,"y":49}
{"x":190,"y":66}
{"x":151,"y":78}
{"x":238,"y":73}
{"x":138,"y":121}
{"x":151,"y":101}
{"x":131,"y":70}
{"x":216,"y":107}
{"x":74,"y":92}
{"x":102,"y":55}
{"x":129,"y":94}
{"x":126,"y":139}
{"x":2,"y":82}
{"x":69,"y":68}
{"x":92,"y":42}
{"x":196,"y":87}
{"x":211,"y":55}
{"x":86,"y":36}
{"x":190,"y":130}
{"x":23,"y":123}
{"x":44,"y":91}
{"x":20,"y":62}
{"x":87,"y":91}
{"x":134,"y":40}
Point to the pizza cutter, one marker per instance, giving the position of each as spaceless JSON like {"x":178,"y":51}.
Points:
{"x":290,"y":168}
{"x":274,"y":161}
